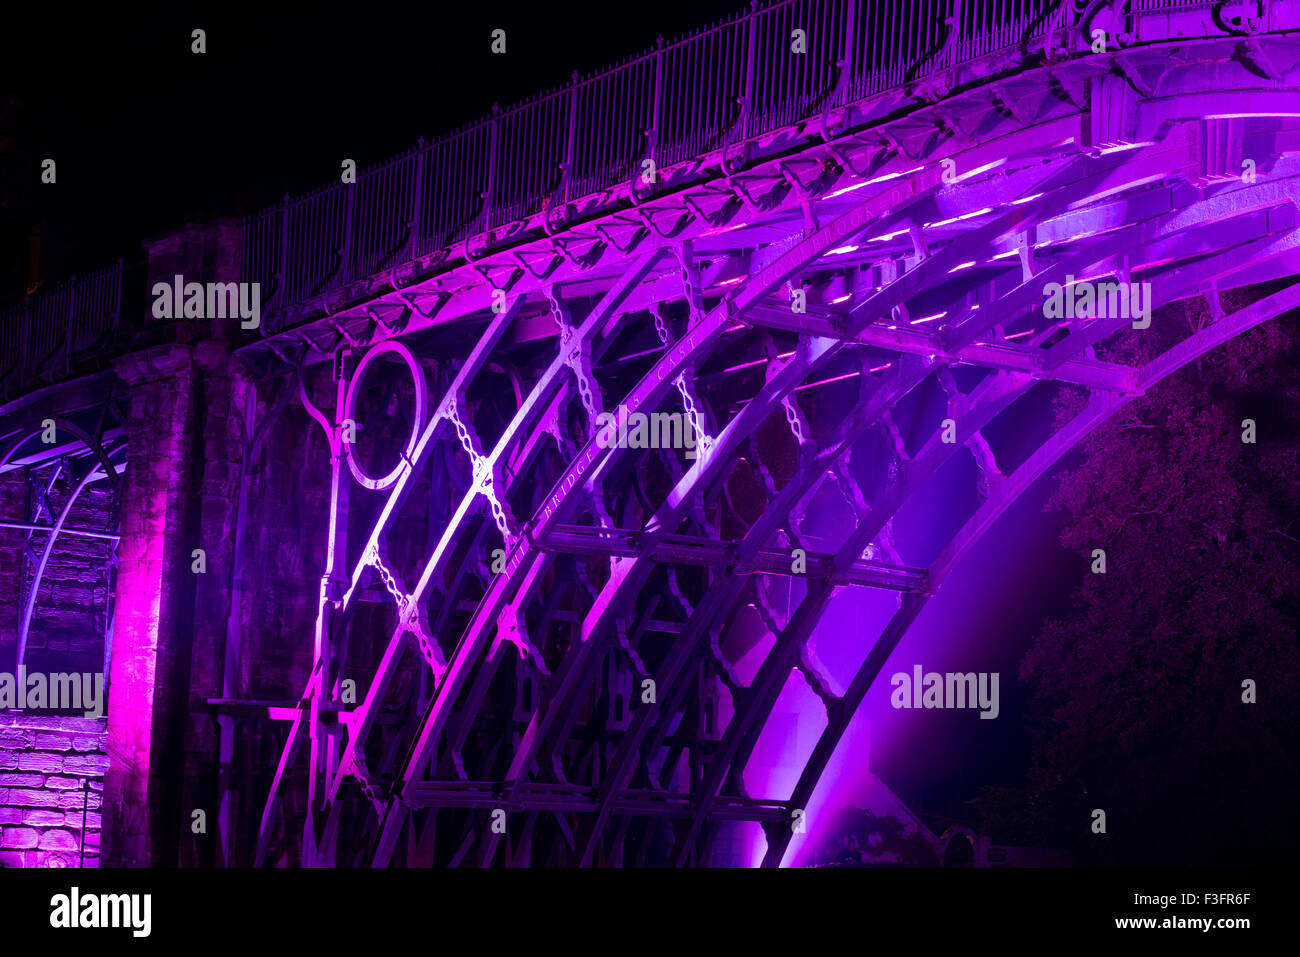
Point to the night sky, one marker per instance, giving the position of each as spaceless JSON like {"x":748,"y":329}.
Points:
{"x":148,"y":135}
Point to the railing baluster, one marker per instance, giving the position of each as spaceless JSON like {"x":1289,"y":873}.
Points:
{"x":68,"y":331}
{"x":568,"y":137}
{"x":282,"y":274}
{"x":345,"y":251}
{"x":27,"y":343}
{"x":850,"y":46}
{"x":120,"y":285}
{"x":417,"y":187}
{"x":750,"y":53}
{"x":491,"y":168}
{"x":652,"y":147}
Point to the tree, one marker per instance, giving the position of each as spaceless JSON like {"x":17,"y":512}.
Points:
{"x":1138,"y":692}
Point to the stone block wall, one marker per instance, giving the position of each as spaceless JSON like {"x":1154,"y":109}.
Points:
{"x":45,"y":762}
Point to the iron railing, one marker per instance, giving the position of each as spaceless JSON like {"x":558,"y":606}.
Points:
{"x":44,"y":336}
{"x":726,"y":84}
{"x":723,"y":85}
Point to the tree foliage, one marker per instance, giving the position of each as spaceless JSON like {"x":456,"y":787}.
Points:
{"x":1138,"y":692}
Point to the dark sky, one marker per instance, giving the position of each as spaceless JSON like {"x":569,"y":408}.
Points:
{"x":148,"y":135}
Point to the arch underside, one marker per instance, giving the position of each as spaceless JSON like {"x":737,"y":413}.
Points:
{"x":61,"y":458}
{"x":503,"y":600}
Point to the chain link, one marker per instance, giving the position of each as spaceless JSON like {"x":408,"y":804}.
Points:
{"x":480,"y":466}
{"x":571,"y":354}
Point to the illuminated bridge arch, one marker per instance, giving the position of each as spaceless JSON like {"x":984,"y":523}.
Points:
{"x":539,"y":624}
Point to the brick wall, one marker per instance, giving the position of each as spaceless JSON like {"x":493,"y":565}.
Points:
{"x":44,"y":760}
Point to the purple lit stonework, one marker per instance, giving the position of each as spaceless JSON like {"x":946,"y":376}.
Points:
{"x":367,"y":585}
